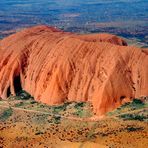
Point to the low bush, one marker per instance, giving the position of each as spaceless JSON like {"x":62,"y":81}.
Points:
{"x":56,"y":119}
{"x":6,"y":114}
{"x":39,"y":133}
{"x":19,"y":104}
{"x":132,"y":129}
{"x":80,"y":104}
{"x":57,"y":109}
{"x":23,"y":95}
{"x":133,"y":117}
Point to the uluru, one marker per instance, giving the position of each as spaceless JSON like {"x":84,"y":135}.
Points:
{"x":56,"y":66}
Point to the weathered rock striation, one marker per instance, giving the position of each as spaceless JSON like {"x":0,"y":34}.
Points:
{"x":56,"y":66}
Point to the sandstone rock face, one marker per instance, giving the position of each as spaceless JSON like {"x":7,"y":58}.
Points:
{"x":55,"y":66}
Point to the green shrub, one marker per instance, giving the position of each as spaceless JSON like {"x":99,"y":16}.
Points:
{"x":137,"y":101}
{"x":57,"y":109}
{"x":130,"y":106}
{"x":56,"y":119}
{"x":81,"y":111}
{"x":132,"y":129}
{"x":23,"y":95}
{"x":133,"y":117}
{"x":6,"y":114}
{"x":33,"y":102}
{"x":19,"y":104}
{"x":80,"y":104}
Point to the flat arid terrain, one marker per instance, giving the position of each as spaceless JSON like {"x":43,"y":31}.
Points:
{"x":27,"y":123}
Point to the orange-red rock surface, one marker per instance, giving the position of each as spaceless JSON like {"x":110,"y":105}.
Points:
{"x":55,"y":66}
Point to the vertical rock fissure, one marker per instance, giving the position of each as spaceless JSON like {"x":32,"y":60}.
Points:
{"x":17,"y":84}
{"x":8,"y":91}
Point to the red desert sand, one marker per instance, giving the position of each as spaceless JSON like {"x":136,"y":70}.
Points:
{"x":56,"y":66}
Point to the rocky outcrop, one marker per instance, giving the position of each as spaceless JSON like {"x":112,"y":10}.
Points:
{"x":55,"y":66}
